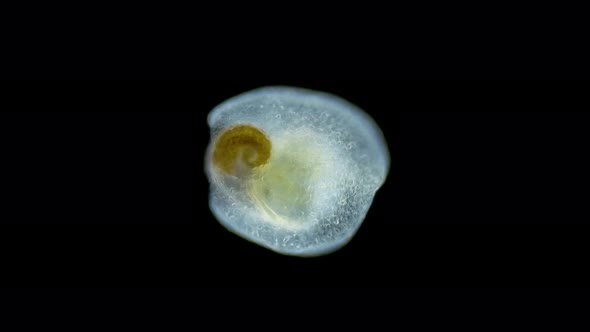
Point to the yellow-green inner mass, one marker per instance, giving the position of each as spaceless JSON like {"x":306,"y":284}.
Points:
{"x":282,"y":188}
{"x":279,"y":183}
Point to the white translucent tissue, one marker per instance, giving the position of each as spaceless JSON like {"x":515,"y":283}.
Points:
{"x":327,"y":160}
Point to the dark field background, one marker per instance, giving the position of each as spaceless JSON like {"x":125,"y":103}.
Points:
{"x":103,"y":186}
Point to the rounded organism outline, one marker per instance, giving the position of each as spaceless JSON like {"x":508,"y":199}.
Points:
{"x":293,"y":170}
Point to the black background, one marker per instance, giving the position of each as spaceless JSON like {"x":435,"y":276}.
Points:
{"x":104,"y":186}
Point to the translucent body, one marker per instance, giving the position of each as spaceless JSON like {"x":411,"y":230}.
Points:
{"x":310,"y":195}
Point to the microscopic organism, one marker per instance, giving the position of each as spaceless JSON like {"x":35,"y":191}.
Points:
{"x":293,"y":170}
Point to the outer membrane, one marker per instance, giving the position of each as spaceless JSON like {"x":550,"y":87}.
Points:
{"x":293,"y":170}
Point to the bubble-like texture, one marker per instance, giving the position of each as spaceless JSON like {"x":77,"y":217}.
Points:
{"x":310,"y":196}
